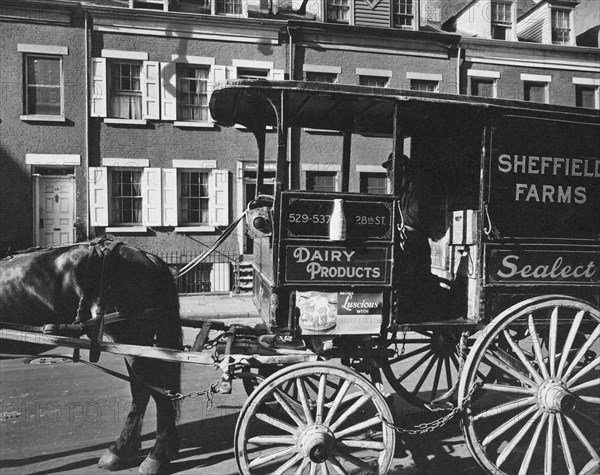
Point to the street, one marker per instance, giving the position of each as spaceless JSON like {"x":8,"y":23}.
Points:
{"x":59,"y":417}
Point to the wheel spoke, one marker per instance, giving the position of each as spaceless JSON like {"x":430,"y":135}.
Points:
{"x":509,"y":406}
{"x":343,"y":453}
{"x":504,"y":388}
{"x":519,"y":352}
{"x":321,"y":398}
{"x":304,"y":400}
{"x":324,"y":468}
{"x":271,"y":440}
{"x":276,"y":423}
{"x":424,"y":375}
{"x":507,"y":425}
{"x":363,"y":444}
{"x":358,"y":427}
{"x":509,"y":370}
{"x":549,"y":445}
{"x":351,"y":410}
{"x":289,"y":464}
{"x":415,"y":366}
{"x":516,"y":439}
{"x":569,"y":342}
{"x":552,"y":342}
{"x":448,"y":372}
{"x":268,"y":458}
{"x":537,"y":347}
{"x":536,"y":435}
{"x":565,"y":445}
{"x":281,"y":399}
{"x":313,"y":468}
{"x":436,"y":378}
{"x":302,"y":466}
{"x":590,"y":399}
{"x":410,"y":354}
{"x":582,"y":351}
{"x":337,"y":466}
{"x":585,"y":370}
{"x":587,"y":384}
{"x":336,"y":403}
{"x":582,"y":438}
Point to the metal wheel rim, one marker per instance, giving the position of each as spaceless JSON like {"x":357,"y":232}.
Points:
{"x":537,"y":426}
{"x":314,"y":429}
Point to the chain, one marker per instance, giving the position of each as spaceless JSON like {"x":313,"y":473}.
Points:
{"x":208,"y":392}
{"x":403,"y":349}
{"x":433,"y":425}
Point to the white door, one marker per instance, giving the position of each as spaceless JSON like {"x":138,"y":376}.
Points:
{"x":56,"y":204}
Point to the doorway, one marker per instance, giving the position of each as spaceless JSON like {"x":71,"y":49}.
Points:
{"x":54,"y":210}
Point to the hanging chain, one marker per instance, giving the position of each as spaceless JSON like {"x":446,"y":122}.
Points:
{"x":433,"y":425}
{"x":208,"y":392}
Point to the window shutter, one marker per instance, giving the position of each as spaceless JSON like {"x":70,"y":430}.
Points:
{"x":99,"y":93}
{"x":277,"y":75}
{"x":168,"y":81}
{"x":151,"y":197}
{"x":169,"y":200}
{"x":219,"y":198}
{"x":218,"y":75}
{"x":150,"y":104}
{"x":98,"y":182}
{"x":230,"y":72}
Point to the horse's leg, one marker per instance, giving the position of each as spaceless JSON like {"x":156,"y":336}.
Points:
{"x":129,"y":442}
{"x":167,"y":439}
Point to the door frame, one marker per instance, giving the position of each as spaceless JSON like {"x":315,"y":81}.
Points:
{"x":37,"y":180}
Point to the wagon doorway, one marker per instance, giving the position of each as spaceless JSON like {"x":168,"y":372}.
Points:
{"x":54,"y":205}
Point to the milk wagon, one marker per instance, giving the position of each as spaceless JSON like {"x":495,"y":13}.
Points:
{"x":471,"y":280}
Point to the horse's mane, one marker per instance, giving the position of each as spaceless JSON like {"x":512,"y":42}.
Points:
{"x":33,"y":249}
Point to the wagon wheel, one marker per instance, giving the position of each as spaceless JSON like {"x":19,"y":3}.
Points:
{"x":425,"y":365}
{"x":542,"y":412}
{"x":277,"y":433}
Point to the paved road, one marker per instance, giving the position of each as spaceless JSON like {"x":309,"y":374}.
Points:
{"x":59,"y":418}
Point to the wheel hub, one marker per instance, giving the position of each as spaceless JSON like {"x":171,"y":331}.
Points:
{"x":554,"y":397}
{"x":315,"y":443}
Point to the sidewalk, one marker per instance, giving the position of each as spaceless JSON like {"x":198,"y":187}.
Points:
{"x":219,"y":307}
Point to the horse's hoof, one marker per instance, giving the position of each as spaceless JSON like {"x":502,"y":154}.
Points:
{"x":111,"y":461}
{"x":152,"y":466}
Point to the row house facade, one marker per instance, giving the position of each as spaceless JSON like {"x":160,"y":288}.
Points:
{"x":104,"y":119}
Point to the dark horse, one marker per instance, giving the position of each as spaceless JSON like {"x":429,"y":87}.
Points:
{"x":61,"y":285}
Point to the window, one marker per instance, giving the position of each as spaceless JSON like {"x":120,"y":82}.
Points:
{"x":423,"y":85}
{"x":193,"y":197}
{"x":586,"y":96}
{"x":561,"y":27}
{"x":229,"y":7}
{"x":373,"y":81}
{"x":338,"y":11}
{"x":501,"y":20}
{"x":316,"y":76}
{"x":126,"y":196}
{"x":43,"y":76}
{"x":320,"y":181}
{"x":125,"y":90}
{"x":252,"y":73}
{"x":192,"y":92}
{"x":536,"y":92}
{"x":402,"y":14}
{"x":483,"y":87}
{"x":373,"y":183}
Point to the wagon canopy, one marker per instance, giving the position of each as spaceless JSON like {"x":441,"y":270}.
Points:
{"x":358,"y":109}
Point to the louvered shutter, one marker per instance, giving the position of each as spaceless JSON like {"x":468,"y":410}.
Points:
{"x":151,"y":197}
{"x":98,"y":183}
{"x":219,"y":198}
{"x":99,"y":92}
{"x":150,"y":104}
{"x":168,"y":81}
{"x":169,"y":200}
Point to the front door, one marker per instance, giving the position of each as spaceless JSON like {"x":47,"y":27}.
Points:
{"x":56,"y":202}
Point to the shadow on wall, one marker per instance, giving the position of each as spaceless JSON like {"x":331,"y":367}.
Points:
{"x":590,"y":37}
{"x":15,"y":204}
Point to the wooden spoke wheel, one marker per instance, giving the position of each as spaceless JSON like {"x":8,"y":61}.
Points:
{"x":541,"y":413}
{"x":333,"y":427}
{"x":425,"y":364}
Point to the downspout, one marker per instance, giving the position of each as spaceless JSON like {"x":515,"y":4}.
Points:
{"x":87,"y":126}
{"x":290,"y":54}
{"x":458,"y":55}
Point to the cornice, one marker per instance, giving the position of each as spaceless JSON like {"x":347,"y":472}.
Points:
{"x":39,"y":11}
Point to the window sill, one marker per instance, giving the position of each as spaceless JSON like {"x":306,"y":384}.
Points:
{"x":125,"y":121}
{"x":195,"y":125}
{"x":126,"y":229}
{"x":43,"y":118}
{"x":322,"y":131}
{"x":195,"y":229}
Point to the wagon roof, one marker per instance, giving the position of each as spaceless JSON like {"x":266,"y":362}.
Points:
{"x":361,"y":109}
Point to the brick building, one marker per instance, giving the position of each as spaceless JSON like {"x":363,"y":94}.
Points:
{"x":130,"y":148}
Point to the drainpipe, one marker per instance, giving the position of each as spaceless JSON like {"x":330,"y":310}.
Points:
{"x":458,"y":55}
{"x":87,"y":127}
{"x":290,"y":54}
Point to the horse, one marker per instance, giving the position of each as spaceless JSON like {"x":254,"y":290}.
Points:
{"x":54,"y":287}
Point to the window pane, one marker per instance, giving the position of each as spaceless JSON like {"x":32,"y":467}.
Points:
{"x":126,"y":196}
{"x":373,"y":183}
{"x":320,"y":181}
{"x":125,"y":93}
{"x":535,"y":92}
{"x":423,"y":85}
{"x":321,"y":77}
{"x":252,"y":73}
{"x":338,"y":11}
{"x":482,"y":87}
{"x":402,"y":16}
{"x":561,"y":28}
{"x":501,"y":12}
{"x":192,"y":92}
{"x":229,"y":7}
{"x":373,"y":81}
{"x":44,"y":92}
{"x":585,"y":96}
{"x":193,"y":197}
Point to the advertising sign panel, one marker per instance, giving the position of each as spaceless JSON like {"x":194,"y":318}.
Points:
{"x":545,"y":179}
